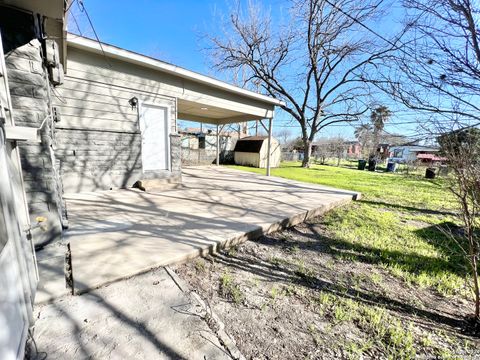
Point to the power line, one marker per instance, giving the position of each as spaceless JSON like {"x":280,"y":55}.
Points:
{"x":76,"y":23}
{"x":366,"y":27}
{"x":70,"y":5}
{"x":84,"y":10}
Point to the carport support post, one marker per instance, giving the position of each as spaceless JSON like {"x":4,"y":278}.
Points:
{"x":218,"y":147}
{"x":269,"y":144}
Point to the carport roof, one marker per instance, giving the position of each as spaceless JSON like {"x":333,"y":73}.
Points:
{"x":146,"y":61}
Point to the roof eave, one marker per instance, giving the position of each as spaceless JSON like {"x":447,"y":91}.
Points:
{"x":142,"y":60}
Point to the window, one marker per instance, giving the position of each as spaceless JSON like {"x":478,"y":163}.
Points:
{"x":398,"y":153}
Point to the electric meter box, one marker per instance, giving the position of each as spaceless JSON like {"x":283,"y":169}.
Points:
{"x":52,"y":55}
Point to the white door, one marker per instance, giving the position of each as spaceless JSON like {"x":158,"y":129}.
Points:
{"x":154,"y":126}
{"x":18,"y":272}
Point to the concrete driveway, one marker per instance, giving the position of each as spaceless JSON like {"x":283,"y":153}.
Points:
{"x":119,"y":233}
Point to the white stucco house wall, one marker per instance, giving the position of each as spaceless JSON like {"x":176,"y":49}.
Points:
{"x":409,"y":153}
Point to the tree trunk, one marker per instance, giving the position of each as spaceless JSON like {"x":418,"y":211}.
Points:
{"x":307,"y":153}
{"x":476,"y":288}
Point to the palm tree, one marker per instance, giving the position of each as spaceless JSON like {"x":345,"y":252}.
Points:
{"x":378,"y":118}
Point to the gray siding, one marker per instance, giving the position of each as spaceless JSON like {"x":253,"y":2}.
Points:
{"x":98,"y":137}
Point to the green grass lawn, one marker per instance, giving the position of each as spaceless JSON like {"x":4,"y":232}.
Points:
{"x":397,"y":225}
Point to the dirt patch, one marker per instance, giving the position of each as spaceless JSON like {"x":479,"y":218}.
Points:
{"x":298,"y":294}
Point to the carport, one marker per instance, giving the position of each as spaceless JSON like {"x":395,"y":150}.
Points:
{"x":194,"y":111}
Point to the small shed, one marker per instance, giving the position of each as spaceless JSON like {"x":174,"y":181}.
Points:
{"x":253,"y":151}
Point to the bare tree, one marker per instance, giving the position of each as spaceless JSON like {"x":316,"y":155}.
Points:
{"x":313,"y":62}
{"x":437,"y":71}
{"x":338,"y":148}
{"x":462,"y":149}
{"x":334,"y":147}
{"x":437,"y":67}
{"x":284,"y":135}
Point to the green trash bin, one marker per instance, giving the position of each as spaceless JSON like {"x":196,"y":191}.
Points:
{"x":430,"y":173}
{"x":362,"y":164}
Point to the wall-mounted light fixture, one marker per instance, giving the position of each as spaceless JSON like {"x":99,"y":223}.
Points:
{"x":133,"y":102}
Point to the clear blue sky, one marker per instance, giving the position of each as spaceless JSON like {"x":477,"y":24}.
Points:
{"x":172,"y":31}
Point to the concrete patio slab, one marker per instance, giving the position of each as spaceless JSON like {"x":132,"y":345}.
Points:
{"x":119,"y":233}
{"x":145,"y":317}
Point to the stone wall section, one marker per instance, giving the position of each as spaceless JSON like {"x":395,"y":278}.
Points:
{"x":29,"y":90}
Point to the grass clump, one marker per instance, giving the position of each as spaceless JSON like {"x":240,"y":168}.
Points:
{"x":230,"y":290}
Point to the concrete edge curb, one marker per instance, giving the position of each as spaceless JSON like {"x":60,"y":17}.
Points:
{"x":218,"y":327}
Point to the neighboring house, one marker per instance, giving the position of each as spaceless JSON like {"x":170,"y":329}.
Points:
{"x":383,"y":151}
{"x":200,"y":148}
{"x":253,"y":151}
{"x":353,"y":149}
{"x":412,"y":153}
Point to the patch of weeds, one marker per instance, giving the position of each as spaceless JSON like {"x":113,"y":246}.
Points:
{"x":346,"y":256}
{"x":264,"y":306}
{"x":200,"y":265}
{"x":376,"y":278}
{"x":276,"y":292}
{"x":229,"y":289}
{"x":277,"y":261}
{"x":232,"y":251}
{"x":312,"y":329}
{"x":304,"y":272}
{"x":426,"y":341}
{"x":293,"y":249}
{"x":447,"y":354}
{"x":341,"y":314}
{"x":396,"y":339}
{"x":330,"y":264}
{"x":345,"y":310}
{"x":357,"y":280}
{"x":355,"y":350}
{"x":325,"y":298}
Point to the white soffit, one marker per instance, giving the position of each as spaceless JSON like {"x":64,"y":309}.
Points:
{"x":135,"y":58}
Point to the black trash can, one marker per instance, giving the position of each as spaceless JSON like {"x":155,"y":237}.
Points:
{"x":372,"y":165}
{"x":362,"y":164}
{"x":391,"y":166}
{"x":430,"y":173}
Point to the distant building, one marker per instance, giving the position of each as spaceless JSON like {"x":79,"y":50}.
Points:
{"x":383,"y":151}
{"x":200,"y":148}
{"x":412,"y":153}
{"x":353,"y":149}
